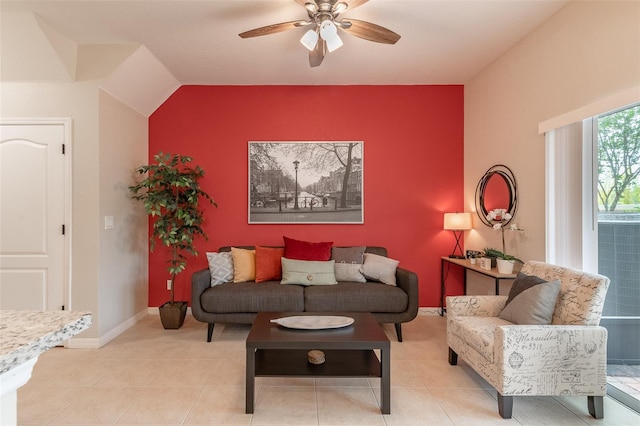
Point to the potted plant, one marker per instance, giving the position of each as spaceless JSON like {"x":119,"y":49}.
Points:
{"x":171,"y":192}
{"x":505,"y":262}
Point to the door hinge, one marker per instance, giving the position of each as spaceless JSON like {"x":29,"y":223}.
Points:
{"x":63,"y":149}
{"x":63,"y":229}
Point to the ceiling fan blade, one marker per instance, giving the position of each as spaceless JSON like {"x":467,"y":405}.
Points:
{"x":369,"y":31}
{"x":351,"y":3}
{"x":317,"y":55}
{"x":303,"y":2}
{"x":355,"y":3}
{"x":272,"y":29}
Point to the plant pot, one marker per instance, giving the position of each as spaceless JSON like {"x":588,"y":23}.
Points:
{"x":172,"y":315}
{"x":505,"y":266}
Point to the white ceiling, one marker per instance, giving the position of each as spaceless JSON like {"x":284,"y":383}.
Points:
{"x":443,"y":42}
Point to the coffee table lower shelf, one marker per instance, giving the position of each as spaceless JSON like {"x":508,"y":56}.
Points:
{"x":294,"y":363}
{"x":338,"y":363}
{"x":276,"y":351}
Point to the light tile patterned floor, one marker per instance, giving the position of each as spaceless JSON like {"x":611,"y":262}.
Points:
{"x":148,"y":375}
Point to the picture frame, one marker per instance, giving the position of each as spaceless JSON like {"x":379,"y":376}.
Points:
{"x":298,"y":182}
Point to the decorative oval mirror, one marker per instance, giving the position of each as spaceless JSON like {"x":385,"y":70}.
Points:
{"x":496,"y":190}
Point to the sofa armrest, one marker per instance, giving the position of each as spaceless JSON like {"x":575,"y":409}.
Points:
{"x":408,"y":281}
{"x":475,"y":306}
{"x":200,"y":281}
{"x":543,"y":356}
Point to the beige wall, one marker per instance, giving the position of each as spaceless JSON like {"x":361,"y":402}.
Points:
{"x":586,"y":52}
{"x":109,"y":139}
{"x":123,"y":270}
{"x":79,"y":102}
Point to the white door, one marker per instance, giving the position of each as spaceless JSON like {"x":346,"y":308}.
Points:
{"x":33,"y":257}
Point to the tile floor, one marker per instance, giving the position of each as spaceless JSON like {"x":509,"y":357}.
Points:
{"x":148,"y":375}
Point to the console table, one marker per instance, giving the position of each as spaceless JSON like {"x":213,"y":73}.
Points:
{"x":446,"y":262}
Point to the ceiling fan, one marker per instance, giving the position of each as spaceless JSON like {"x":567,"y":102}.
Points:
{"x":323,"y":35}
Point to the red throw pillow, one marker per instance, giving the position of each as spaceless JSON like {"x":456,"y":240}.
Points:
{"x":304,"y":250}
{"x":268,"y":264}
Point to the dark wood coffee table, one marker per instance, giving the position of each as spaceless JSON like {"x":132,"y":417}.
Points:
{"x":276,"y":351}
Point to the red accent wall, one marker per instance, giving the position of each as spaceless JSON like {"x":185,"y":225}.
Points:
{"x":413,"y":166}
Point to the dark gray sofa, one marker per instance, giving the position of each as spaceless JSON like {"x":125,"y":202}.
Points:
{"x":238,"y":303}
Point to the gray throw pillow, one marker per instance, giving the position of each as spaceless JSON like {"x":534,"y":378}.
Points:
{"x":348,"y":262}
{"x":348,"y":254}
{"x":521,"y":283}
{"x":533,"y":306}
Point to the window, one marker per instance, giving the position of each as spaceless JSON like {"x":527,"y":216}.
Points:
{"x":593,"y":223}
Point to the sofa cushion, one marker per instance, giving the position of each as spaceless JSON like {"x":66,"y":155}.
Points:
{"x":355,"y":297}
{"x":533,"y":306}
{"x":220,"y":267}
{"x":477,"y":332}
{"x":308,"y":272}
{"x":268,"y":296}
{"x":305,"y":250}
{"x":268,"y":263}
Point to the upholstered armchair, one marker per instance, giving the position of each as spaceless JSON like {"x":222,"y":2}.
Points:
{"x":566,"y":357}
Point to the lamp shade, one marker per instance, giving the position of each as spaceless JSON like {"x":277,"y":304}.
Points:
{"x":310,"y":39}
{"x":457,"y":221}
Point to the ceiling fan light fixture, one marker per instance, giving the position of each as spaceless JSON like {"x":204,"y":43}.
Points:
{"x":334,"y":42}
{"x":310,"y":39}
{"x":329,"y":33}
{"x":340,"y":7}
{"x":311,"y":7}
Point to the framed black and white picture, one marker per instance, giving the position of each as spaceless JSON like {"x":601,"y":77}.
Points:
{"x":306,"y":182}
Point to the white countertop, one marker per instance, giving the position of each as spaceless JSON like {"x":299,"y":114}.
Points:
{"x":24,"y":335}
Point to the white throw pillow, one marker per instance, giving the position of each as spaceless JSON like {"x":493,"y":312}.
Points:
{"x":220,"y":267}
{"x":379,"y":268}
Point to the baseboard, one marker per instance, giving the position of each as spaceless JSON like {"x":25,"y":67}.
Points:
{"x":96,"y":343}
{"x":428,"y":311}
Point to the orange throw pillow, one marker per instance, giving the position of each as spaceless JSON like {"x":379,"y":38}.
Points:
{"x":244,"y":265}
{"x":268,"y":264}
